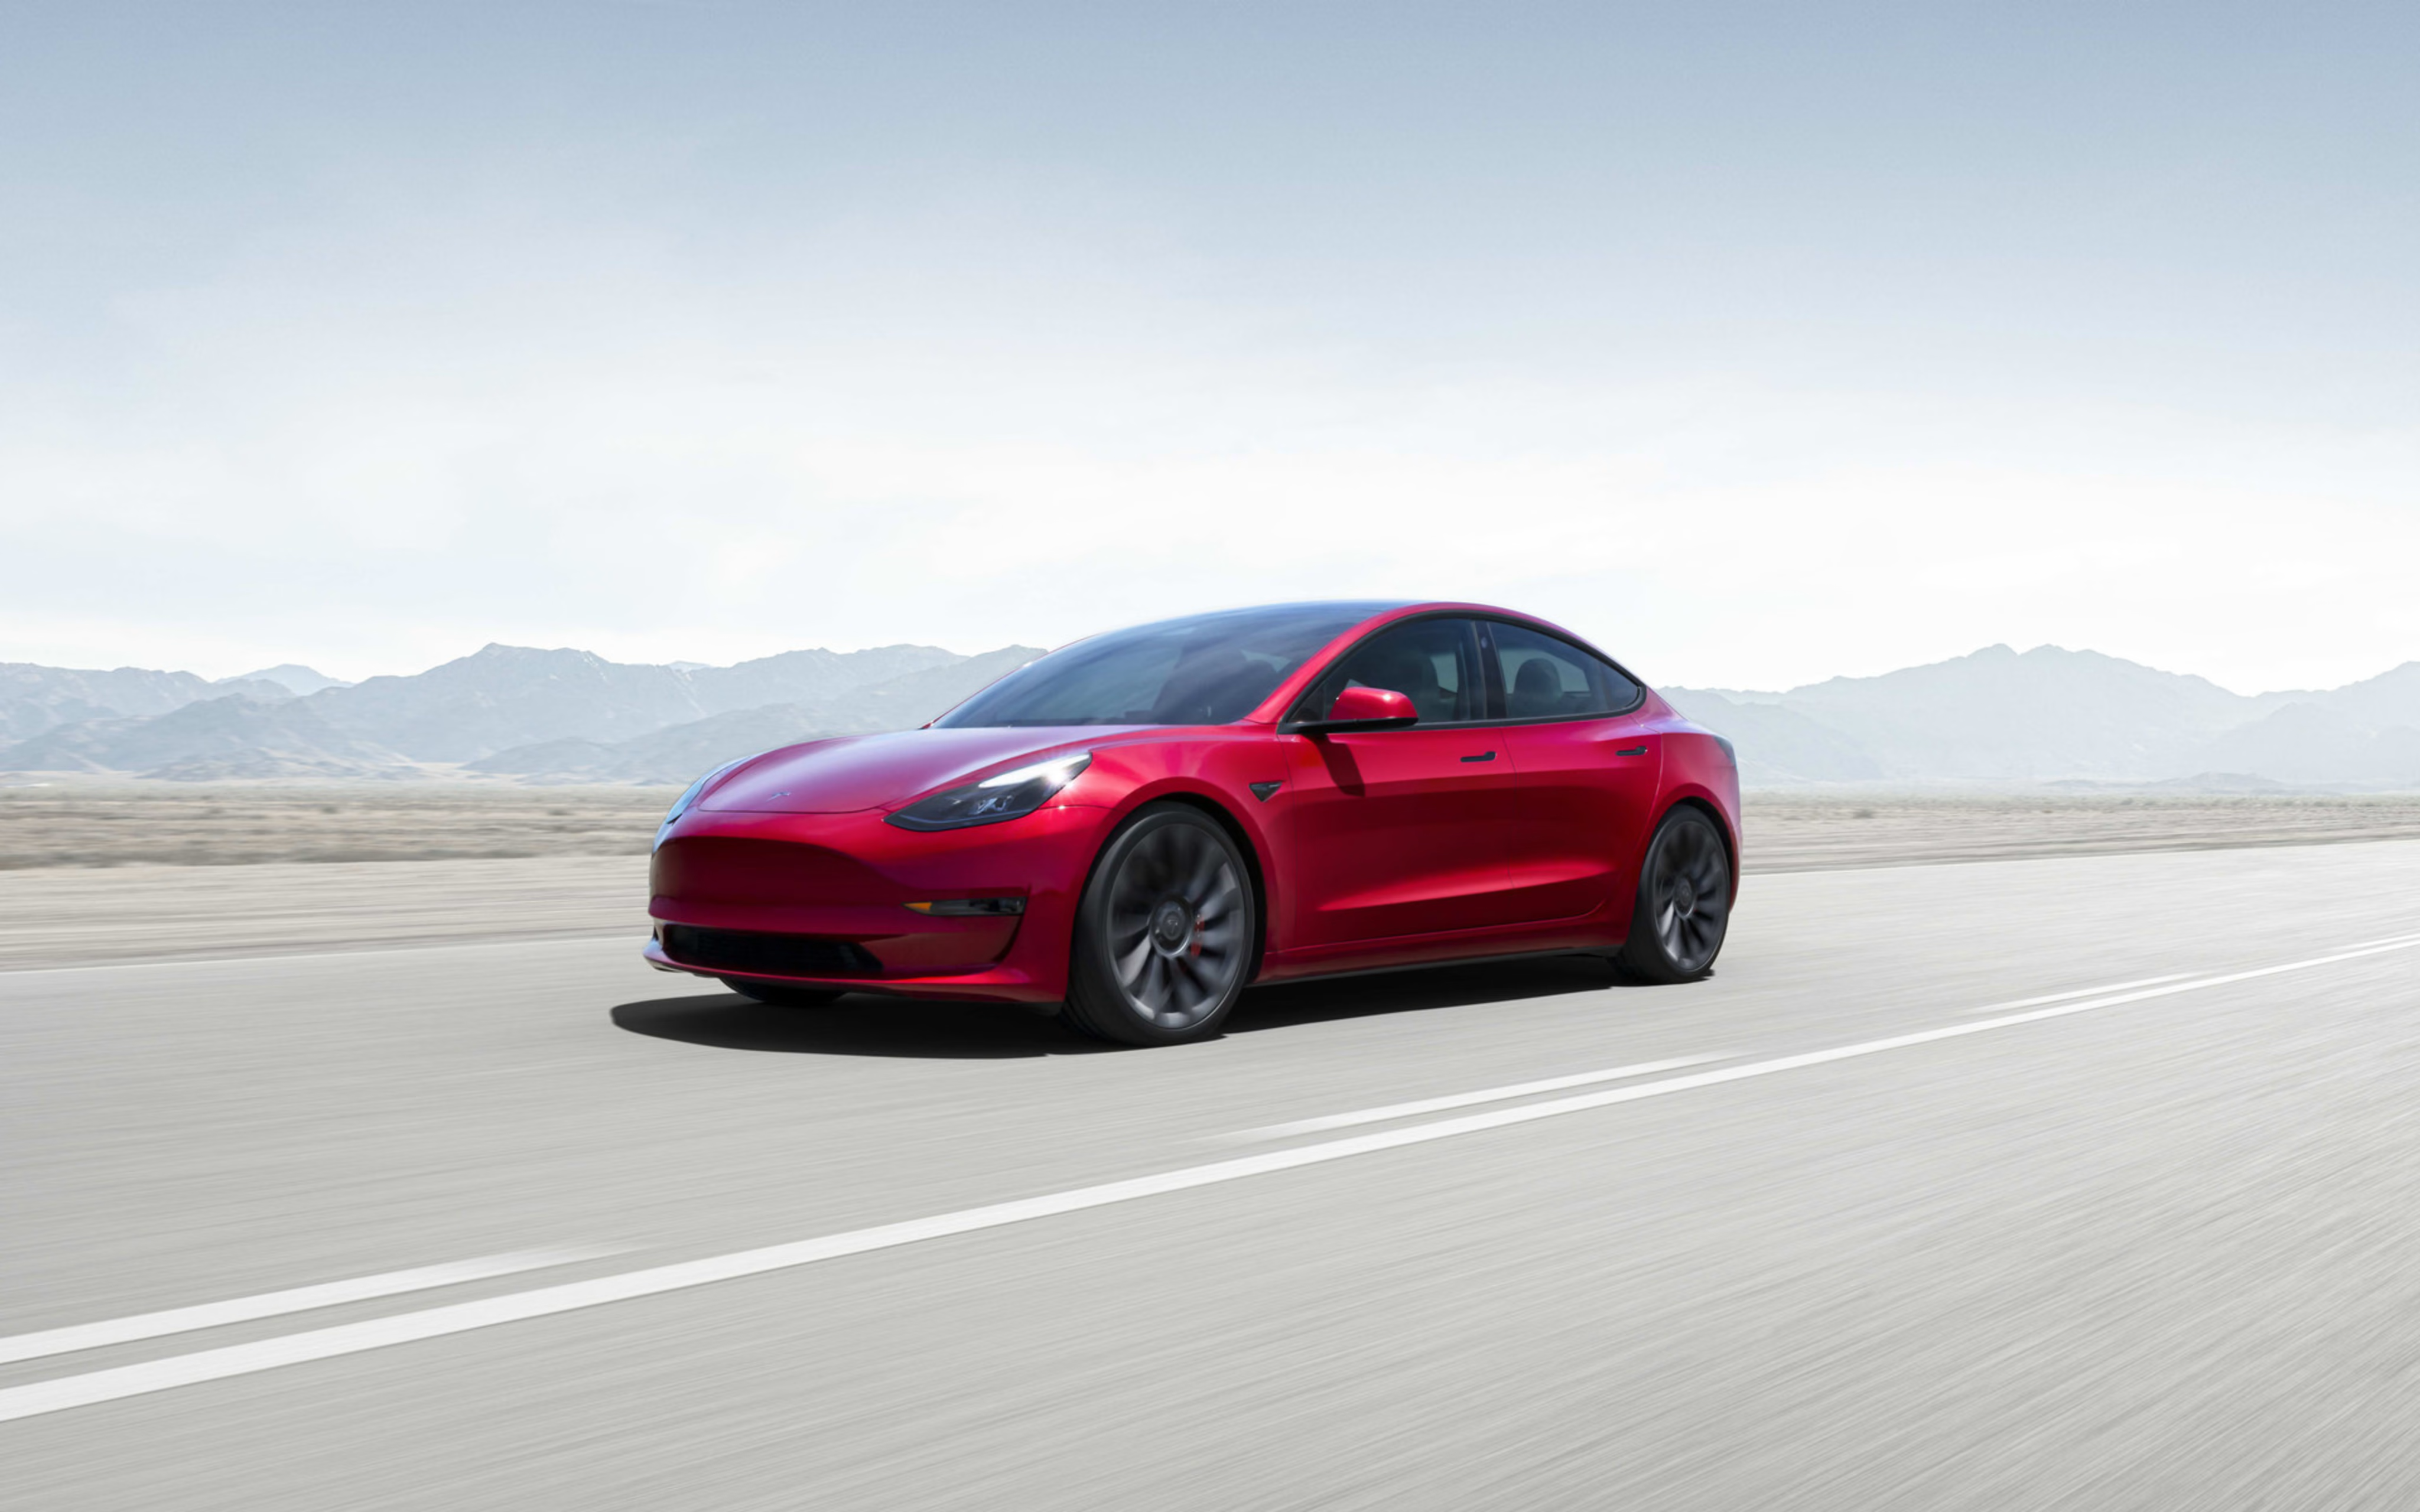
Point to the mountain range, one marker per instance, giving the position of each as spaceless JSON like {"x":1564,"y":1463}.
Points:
{"x":899,"y":702}
{"x":34,"y":698}
{"x":297,"y":680}
{"x":502,"y":711}
{"x":2049,"y":714}
{"x":1997,"y":717}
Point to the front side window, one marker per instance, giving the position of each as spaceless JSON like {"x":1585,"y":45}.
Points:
{"x":1435,"y":663}
{"x":1544,"y":677}
{"x":1205,"y":668}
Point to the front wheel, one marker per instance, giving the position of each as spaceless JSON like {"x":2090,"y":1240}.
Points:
{"x":1164,"y":934}
{"x":774,"y":995}
{"x":1683,"y":905}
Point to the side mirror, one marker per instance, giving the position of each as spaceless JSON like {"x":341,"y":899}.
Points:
{"x":1365,"y":708}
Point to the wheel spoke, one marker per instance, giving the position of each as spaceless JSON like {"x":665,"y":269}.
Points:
{"x":1219,"y":894}
{"x":1204,"y":874}
{"x":1197,"y":987}
{"x":1149,"y":866}
{"x":1693,"y":941}
{"x":1130,"y":895}
{"x":1130,"y":965}
{"x":1178,"y":848}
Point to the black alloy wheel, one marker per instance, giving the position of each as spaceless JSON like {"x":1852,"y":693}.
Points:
{"x":1164,"y":934}
{"x":775,"y":994}
{"x":1684,"y":903}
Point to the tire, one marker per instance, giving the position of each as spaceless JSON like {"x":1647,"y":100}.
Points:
{"x":1164,"y":934}
{"x":774,"y":995}
{"x":1681,"y":911}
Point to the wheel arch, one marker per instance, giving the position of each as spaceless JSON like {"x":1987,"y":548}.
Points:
{"x":1707,"y":805}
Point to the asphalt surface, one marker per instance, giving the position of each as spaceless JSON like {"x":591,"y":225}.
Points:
{"x":74,"y":916}
{"x":2149,"y":1244}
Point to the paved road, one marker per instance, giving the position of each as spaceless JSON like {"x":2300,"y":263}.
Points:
{"x":2149,"y":1242}
{"x":71,"y":915}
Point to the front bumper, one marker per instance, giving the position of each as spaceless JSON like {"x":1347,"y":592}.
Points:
{"x":820,"y":900}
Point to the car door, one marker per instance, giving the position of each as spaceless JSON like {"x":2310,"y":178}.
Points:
{"x":1587,"y":771}
{"x":1400,"y":832}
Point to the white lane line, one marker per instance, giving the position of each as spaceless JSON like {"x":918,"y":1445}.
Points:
{"x":2083,"y":992}
{"x":518,"y":942}
{"x":1557,"y":1084}
{"x":2390,"y":939}
{"x":276,"y":1303}
{"x":436,"y":1322}
{"x":1458,"y":1099}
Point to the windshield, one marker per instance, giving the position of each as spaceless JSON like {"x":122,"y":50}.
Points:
{"x":1205,"y":668}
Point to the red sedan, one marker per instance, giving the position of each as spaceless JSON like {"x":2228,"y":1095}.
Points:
{"x":1138,"y":825}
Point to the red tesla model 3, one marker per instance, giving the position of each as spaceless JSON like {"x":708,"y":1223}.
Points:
{"x":1139,"y":824}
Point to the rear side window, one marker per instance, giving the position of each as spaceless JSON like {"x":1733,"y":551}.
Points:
{"x":1547,"y":678}
{"x":1435,"y":663}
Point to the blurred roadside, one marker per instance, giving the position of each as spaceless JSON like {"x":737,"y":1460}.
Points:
{"x":83,"y":822}
{"x":1795,"y":831}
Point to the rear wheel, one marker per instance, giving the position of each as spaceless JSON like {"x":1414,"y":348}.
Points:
{"x":1684,"y":905}
{"x":1164,"y":934}
{"x":778,"y":996}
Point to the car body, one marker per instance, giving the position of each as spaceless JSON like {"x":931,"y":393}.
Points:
{"x":1506,"y":814}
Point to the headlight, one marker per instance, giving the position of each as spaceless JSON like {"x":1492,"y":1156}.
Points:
{"x":689,"y":794}
{"x":1009,"y":795}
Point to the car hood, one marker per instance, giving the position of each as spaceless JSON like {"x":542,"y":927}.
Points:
{"x":880,"y":771}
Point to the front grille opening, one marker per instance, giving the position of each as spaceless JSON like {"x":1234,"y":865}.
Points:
{"x":773,"y":955}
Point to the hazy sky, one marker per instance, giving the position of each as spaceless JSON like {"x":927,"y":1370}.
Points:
{"x":1757,"y":343}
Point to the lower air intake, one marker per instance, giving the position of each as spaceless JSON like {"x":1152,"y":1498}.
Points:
{"x":773,"y":955}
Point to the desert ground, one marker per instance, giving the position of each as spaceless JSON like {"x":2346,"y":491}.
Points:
{"x":67,"y":821}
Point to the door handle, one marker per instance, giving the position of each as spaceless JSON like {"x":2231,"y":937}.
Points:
{"x":1635,"y":751}
{"x":1483,"y":756}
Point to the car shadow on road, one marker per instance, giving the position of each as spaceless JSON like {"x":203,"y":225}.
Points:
{"x":859,"y":1024}
{"x":866,"y":1025}
{"x":1468,"y":984}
